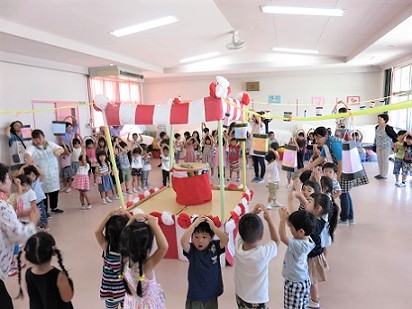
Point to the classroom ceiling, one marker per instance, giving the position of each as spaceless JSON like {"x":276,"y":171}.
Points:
{"x":371,"y":34}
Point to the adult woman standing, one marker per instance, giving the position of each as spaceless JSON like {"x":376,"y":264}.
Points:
{"x":385,"y":136}
{"x":258,"y":160}
{"x":43,"y":153}
{"x":12,"y":231}
{"x":332,"y":151}
{"x":16,"y":145}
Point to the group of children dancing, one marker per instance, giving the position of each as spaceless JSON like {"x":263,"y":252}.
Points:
{"x":84,"y":158}
{"x":193,"y":148}
{"x":128,"y":277}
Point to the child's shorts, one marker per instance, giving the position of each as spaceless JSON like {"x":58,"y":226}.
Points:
{"x":136,"y":172}
{"x":317,"y":268}
{"x":273,"y":189}
{"x":241,"y":304}
{"x":193,"y":304}
{"x":292,"y":175}
{"x":234,"y":166}
{"x":126,"y":174}
{"x":67,"y":172}
{"x":406,"y":168}
{"x":397,"y":165}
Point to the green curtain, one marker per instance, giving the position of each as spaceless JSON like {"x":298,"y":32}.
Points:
{"x":388,"y":85}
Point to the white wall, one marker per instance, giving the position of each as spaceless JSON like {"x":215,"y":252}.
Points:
{"x":291,"y":86}
{"x":20,"y":84}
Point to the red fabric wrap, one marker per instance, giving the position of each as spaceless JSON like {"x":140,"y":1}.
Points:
{"x":144,"y":114}
{"x":179,"y":113}
{"x":112,"y":114}
{"x":213,"y":109}
{"x":193,"y":190}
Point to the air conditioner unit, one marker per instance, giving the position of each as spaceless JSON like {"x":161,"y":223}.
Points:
{"x":115,"y":71}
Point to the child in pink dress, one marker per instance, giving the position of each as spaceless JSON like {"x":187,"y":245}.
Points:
{"x":190,"y":145}
{"x":143,"y":292}
{"x":81,"y":181}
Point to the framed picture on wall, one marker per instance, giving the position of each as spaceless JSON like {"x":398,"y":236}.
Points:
{"x":274,"y":98}
{"x":318,"y":101}
{"x":353,"y":100}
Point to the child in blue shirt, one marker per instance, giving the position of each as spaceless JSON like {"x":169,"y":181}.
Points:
{"x":203,"y":253}
{"x":295,"y":265}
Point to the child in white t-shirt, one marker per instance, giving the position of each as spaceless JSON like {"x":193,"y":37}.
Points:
{"x":27,"y":198}
{"x":272,"y":178}
{"x":165,"y":165}
{"x":252,"y":259}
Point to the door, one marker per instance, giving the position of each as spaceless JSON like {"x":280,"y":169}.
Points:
{"x":43,"y":119}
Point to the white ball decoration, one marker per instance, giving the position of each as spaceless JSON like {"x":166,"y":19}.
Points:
{"x":167,"y":218}
{"x":101,"y":101}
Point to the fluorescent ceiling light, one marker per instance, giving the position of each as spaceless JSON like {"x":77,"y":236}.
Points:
{"x":145,"y":26}
{"x":200,"y":57}
{"x":300,"y":11}
{"x":295,"y":51}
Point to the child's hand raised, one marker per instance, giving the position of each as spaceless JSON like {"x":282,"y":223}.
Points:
{"x":266,"y":214}
{"x":283,"y":213}
{"x":199,"y":220}
{"x":210,"y":222}
{"x":297,"y":184}
{"x":258,"y":208}
{"x":151,"y":220}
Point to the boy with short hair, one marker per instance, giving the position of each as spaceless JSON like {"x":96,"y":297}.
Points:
{"x":203,"y":253}
{"x":252,"y":259}
{"x":330,"y":170}
{"x":178,"y":144}
{"x":295,"y":265}
{"x":165,"y":164}
{"x":272,"y":138}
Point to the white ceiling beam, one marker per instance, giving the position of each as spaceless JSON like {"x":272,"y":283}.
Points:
{"x":42,"y":63}
{"x":50,"y":39}
{"x":406,"y":13}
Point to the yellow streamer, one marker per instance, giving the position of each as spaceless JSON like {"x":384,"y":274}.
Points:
{"x":370,"y":111}
{"x":30,"y":111}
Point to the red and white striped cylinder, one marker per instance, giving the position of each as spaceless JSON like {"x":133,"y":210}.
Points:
{"x":202,"y":110}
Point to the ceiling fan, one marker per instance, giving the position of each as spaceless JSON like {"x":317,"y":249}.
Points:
{"x":236,"y":42}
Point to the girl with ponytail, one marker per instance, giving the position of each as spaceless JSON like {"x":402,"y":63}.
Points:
{"x":138,"y":264}
{"x":47,"y":286}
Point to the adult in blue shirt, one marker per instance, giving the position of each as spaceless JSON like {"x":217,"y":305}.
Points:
{"x":332,"y":152}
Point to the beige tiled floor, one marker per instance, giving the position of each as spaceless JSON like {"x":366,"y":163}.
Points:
{"x":369,"y":263}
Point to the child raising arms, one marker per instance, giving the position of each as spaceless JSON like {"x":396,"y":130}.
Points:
{"x":295,"y":265}
{"x":203,"y":253}
{"x":81,"y":180}
{"x":252,"y":259}
{"x":104,"y":170}
{"x":136,"y":240}
{"x":319,"y":204}
{"x":47,"y":286}
{"x":108,"y":236}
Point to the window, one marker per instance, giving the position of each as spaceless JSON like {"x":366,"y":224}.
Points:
{"x":117,"y":90}
{"x":402,"y":89}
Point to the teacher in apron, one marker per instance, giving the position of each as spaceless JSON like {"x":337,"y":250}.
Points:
{"x":43,"y":153}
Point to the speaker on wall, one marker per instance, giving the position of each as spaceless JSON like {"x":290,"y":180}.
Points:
{"x":252,"y":86}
